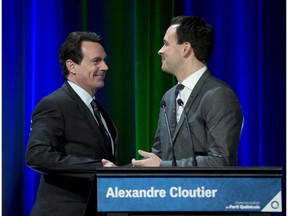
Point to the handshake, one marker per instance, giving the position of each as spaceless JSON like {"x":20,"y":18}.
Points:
{"x":149,"y":160}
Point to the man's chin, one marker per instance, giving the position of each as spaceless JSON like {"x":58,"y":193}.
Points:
{"x":100,"y":85}
{"x":165,"y":70}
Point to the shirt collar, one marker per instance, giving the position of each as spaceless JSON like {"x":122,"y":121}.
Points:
{"x":191,"y":81}
{"x":85,"y":97}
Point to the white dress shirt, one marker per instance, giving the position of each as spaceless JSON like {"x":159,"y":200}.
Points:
{"x":189,"y":84}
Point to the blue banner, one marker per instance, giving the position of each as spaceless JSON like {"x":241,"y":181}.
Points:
{"x":185,"y":194}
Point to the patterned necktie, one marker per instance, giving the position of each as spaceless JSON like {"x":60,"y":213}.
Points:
{"x":104,"y":132}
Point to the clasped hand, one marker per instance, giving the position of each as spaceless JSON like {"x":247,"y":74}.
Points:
{"x":149,"y":160}
{"x":107,"y":163}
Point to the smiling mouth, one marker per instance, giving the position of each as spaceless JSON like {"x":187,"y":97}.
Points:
{"x":99,"y":75}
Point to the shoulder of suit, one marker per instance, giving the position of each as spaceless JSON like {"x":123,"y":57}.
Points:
{"x":58,"y":95}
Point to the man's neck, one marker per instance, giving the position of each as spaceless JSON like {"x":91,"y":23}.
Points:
{"x":188,"y":71}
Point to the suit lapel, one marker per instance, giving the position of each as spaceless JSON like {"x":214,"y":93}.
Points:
{"x":190,"y":101}
{"x":170,"y":109}
{"x":84,"y":110}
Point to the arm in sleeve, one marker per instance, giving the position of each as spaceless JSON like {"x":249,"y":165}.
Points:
{"x":47,"y":142}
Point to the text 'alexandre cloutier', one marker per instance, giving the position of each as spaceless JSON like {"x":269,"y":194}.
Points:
{"x":174,"y":192}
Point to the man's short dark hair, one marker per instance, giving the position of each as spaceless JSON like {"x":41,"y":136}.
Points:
{"x":71,"y":48}
{"x":198,"y":33}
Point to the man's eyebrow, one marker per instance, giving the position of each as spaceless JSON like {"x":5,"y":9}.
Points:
{"x":96,"y":59}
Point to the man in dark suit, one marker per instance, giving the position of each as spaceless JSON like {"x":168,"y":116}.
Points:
{"x":67,"y":141}
{"x":204,"y":117}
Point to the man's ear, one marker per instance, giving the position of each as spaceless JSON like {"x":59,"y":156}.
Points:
{"x":187,"y":49}
{"x":71,"y":66}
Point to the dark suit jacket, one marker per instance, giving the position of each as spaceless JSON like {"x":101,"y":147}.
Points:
{"x":215,"y":120}
{"x":66,"y":146}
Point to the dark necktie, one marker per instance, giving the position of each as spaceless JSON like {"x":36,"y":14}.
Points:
{"x":104,"y":132}
{"x":179,"y":87}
